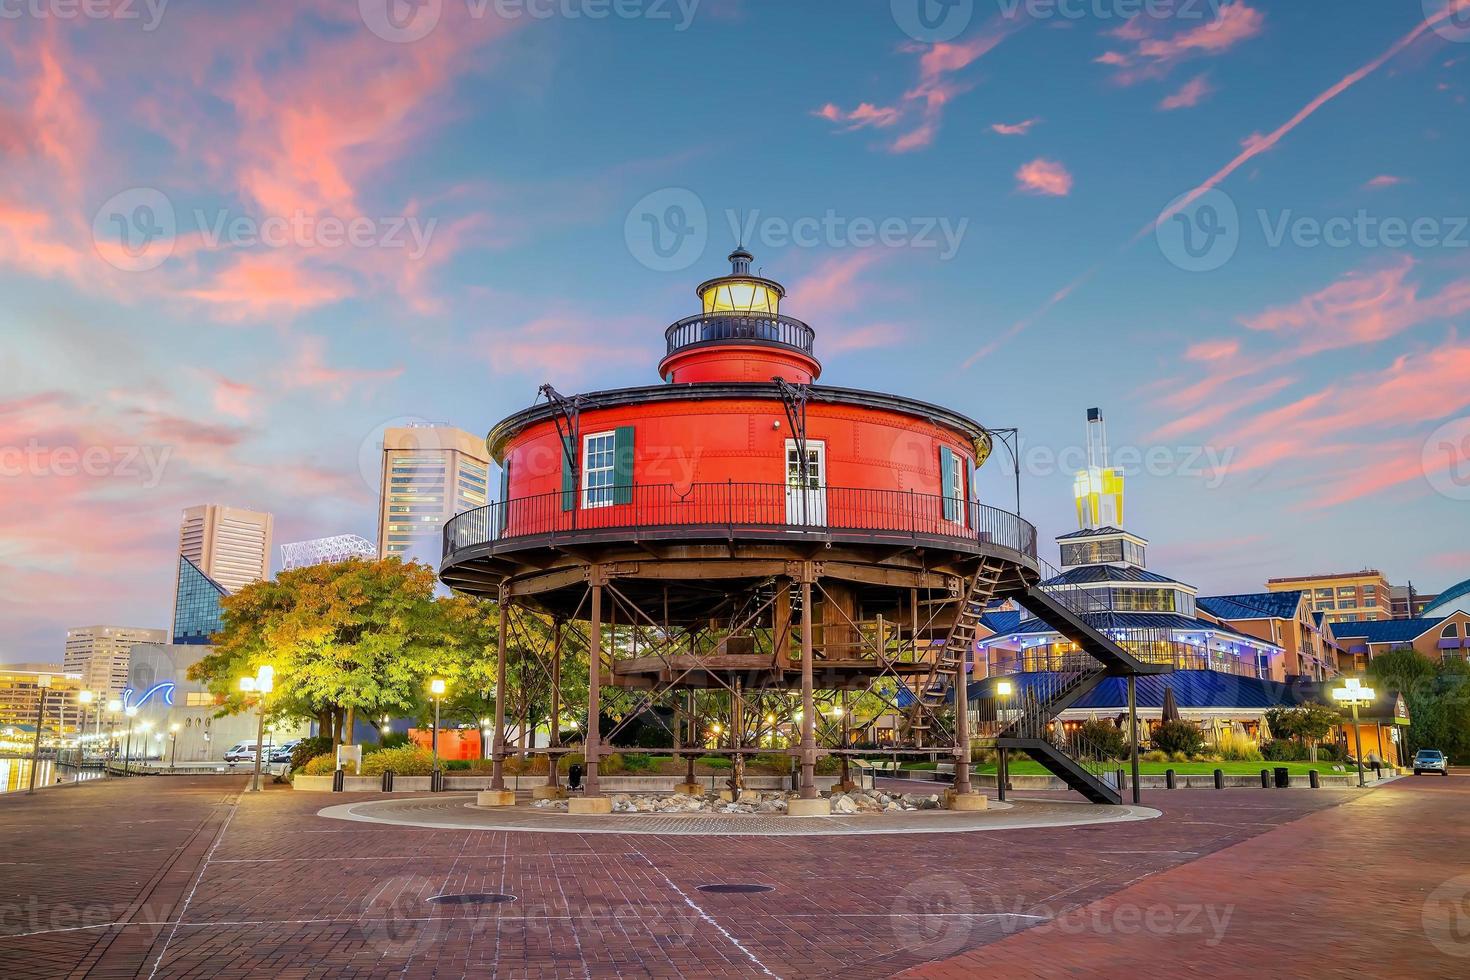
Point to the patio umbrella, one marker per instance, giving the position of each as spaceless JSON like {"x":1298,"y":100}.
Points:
{"x":1171,"y":709}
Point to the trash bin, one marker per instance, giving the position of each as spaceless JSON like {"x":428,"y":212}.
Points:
{"x":1283,"y":777}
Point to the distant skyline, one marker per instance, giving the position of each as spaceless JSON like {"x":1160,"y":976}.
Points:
{"x":237,"y":242}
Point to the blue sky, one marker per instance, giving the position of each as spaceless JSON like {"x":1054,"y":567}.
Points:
{"x":1298,"y":375}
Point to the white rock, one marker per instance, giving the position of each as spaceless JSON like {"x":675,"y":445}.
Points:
{"x":844,"y":805}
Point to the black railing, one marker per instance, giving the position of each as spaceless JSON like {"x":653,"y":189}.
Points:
{"x":767,"y":328}
{"x":737,"y":507}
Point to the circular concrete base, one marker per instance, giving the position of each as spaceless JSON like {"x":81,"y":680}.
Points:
{"x":446,"y":812}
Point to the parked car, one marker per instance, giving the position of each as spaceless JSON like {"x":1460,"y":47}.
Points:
{"x":1431,"y":760}
{"x":282,"y":752}
{"x":241,"y":752}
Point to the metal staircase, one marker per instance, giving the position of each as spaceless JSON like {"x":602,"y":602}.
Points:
{"x":1035,"y":730}
{"x":949,"y":661}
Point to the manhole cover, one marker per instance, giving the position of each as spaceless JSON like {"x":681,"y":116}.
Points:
{"x":735,"y":889}
{"x":473,"y":898}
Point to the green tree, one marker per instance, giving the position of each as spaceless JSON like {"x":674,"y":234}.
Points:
{"x":344,"y":638}
{"x":1436,"y":694}
{"x":1307,"y":724}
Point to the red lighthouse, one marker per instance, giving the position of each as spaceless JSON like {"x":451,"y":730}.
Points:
{"x":739,"y":528}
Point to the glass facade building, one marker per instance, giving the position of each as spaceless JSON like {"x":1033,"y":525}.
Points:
{"x":197,"y":612}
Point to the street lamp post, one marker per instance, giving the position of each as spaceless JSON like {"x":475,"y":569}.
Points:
{"x":113,"y":707}
{"x":132,"y":712}
{"x":173,"y":747}
{"x":1002,"y":691}
{"x":436,"y":689}
{"x":43,"y":684}
{"x":260,"y":685}
{"x":85,"y":699}
{"x":1354,"y":693}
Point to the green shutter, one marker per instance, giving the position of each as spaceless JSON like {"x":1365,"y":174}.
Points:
{"x":568,"y":478}
{"x":623,"y":465}
{"x":946,"y":483}
{"x":504,"y":492}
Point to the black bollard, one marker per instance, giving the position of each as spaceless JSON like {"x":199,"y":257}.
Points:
{"x":339,"y":780}
{"x":1313,"y":779}
{"x":1168,"y":779}
{"x":1283,"y":777}
{"x":1265,"y":779}
{"x":1219,"y":779}
{"x":1122,"y":781}
{"x":387,"y":780}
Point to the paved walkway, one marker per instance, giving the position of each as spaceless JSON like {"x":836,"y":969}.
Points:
{"x":1378,"y":887}
{"x":186,"y":876}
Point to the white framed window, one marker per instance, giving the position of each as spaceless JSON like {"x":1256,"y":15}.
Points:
{"x":956,"y":488}
{"x":599,"y":466}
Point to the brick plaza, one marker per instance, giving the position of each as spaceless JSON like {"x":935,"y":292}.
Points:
{"x":189,"y":876}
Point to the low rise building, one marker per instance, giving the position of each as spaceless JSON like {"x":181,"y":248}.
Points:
{"x":1360,"y":595}
{"x":1437,"y":637}
{"x":1285,"y":619}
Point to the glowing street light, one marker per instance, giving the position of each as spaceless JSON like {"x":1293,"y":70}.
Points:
{"x":131,"y":711}
{"x":173,"y":748}
{"x":1003,"y":689}
{"x":1354,"y":693}
{"x":437,"y":687}
{"x":43,"y":684}
{"x":260,"y":685}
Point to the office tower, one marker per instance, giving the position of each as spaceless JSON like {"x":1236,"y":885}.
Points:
{"x":430,"y":473}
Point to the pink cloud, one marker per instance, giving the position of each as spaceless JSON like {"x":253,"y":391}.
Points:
{"x":269,"y":284}
{"x":237,"y":399}
{"x":866,"y":114}
{"x":1361,"y":308}
{"x":560,"y":344}
{"x":922,"y":106}
{"x":840,"y":290}
{"x":1316,"y":443}
{"x":1151,"y":56}
{"x":1014,"y":129}
{"x":1045,"y":177}
{"x":1193,"y":92}
{"x":837,"y":285}
{"x":1383,"y":180}
{"x":308,"y":369}
{"x":1212,"y":350}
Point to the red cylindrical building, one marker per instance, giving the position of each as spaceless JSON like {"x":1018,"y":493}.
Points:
{"x":768,"y":530}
